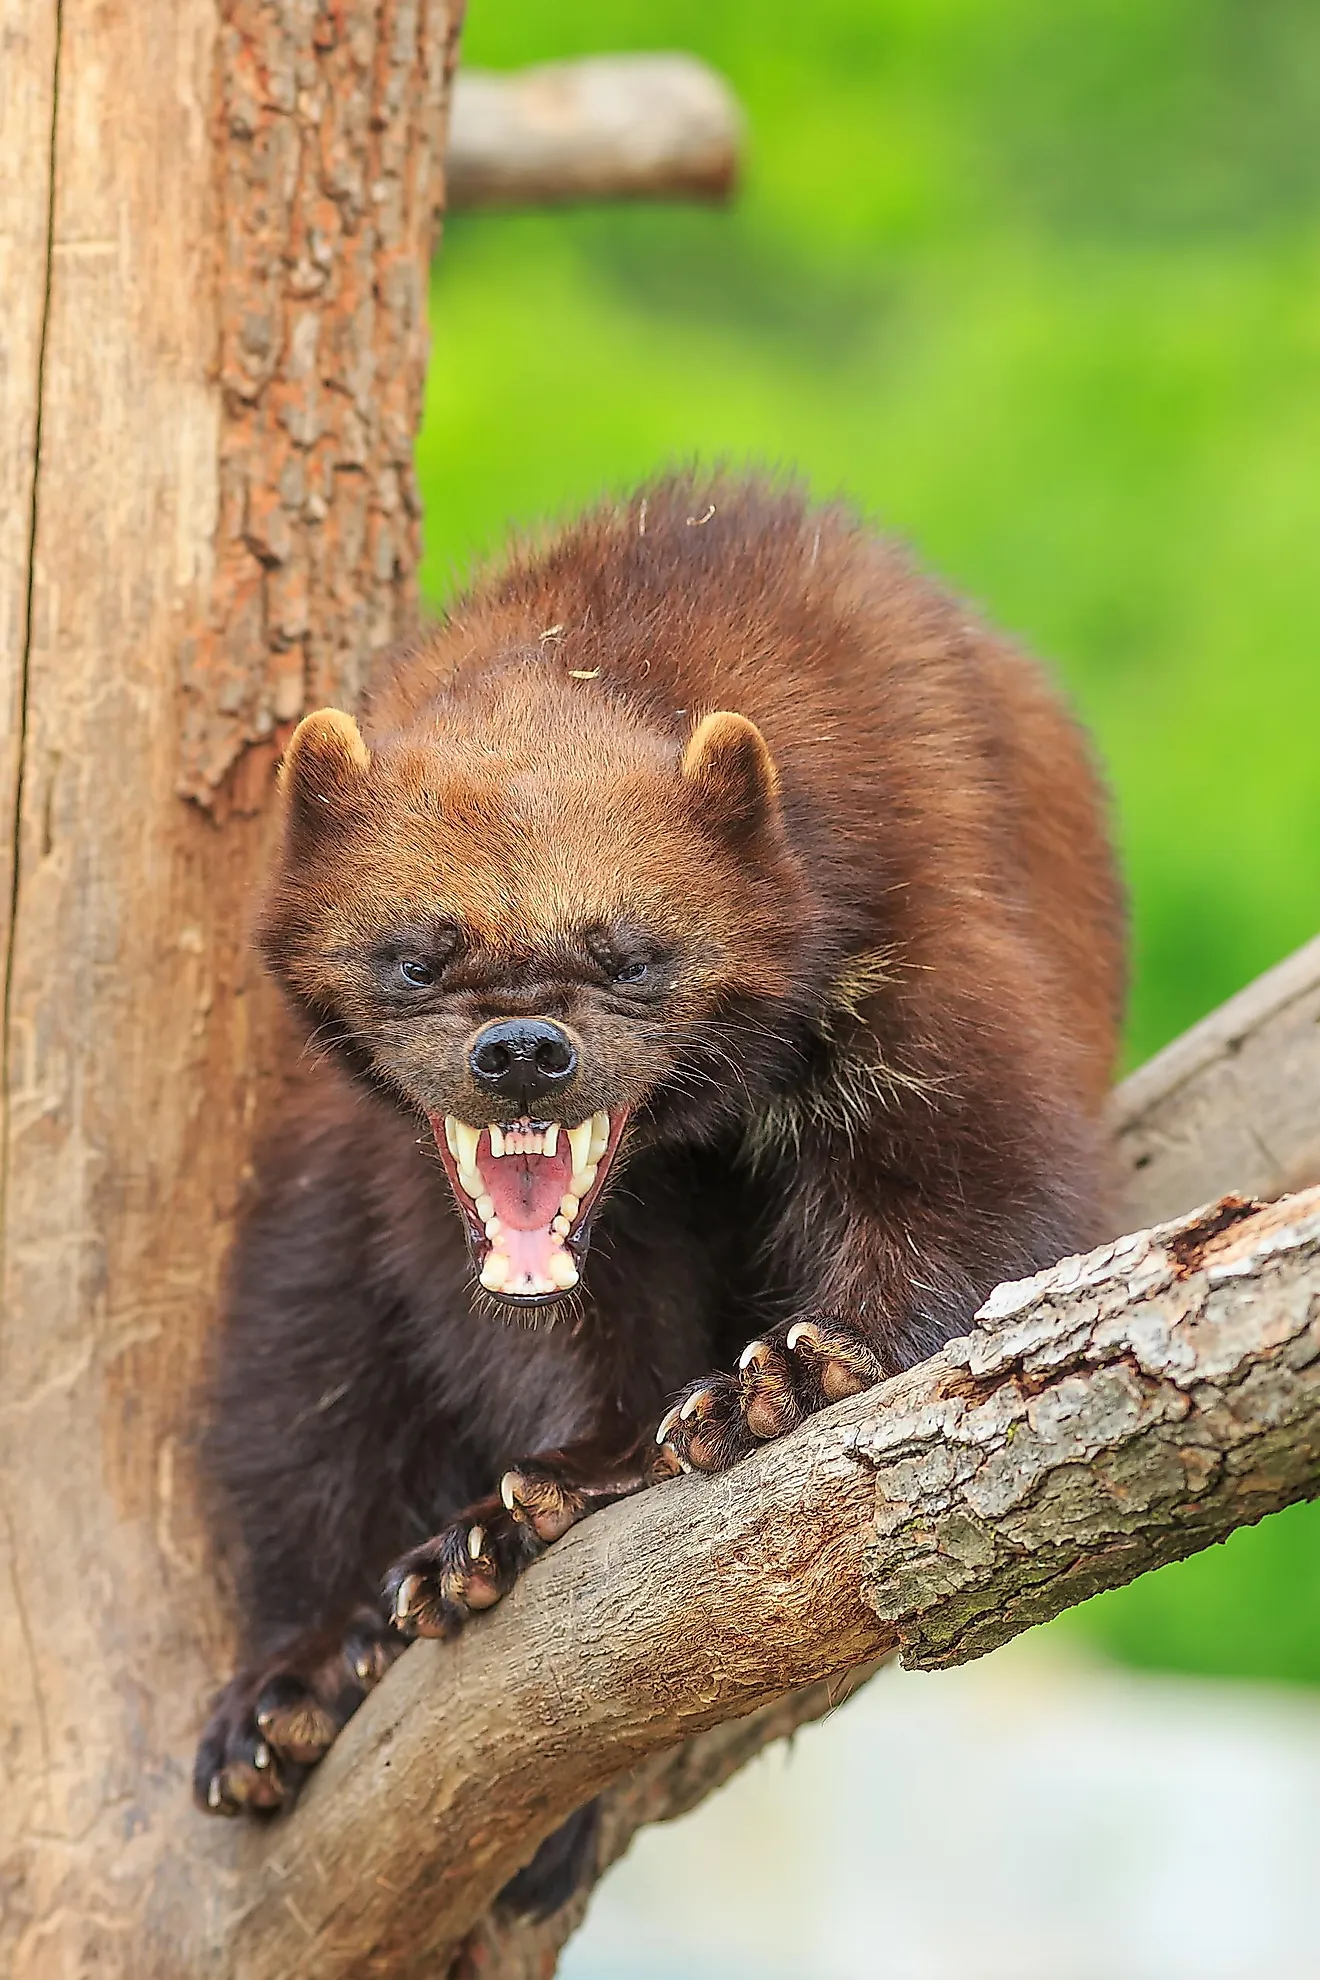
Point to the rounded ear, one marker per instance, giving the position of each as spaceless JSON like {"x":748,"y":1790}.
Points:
{"x":326,"y":761}
{"x":729,"y":763}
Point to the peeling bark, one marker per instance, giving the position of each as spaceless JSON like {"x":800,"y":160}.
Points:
{"x":1118,"y":1412}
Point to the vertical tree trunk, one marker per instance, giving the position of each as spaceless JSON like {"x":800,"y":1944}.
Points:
{"x":214,"y":235}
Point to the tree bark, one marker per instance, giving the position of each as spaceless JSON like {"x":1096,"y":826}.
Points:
{"x":1115,"y":1413}
{"x":1234,"y":1104}
{"x":214,"y":233}
{"x":214,"y":336}
{"x":608,"y":127}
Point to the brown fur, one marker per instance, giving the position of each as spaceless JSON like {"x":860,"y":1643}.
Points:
{"x":860,"y":846}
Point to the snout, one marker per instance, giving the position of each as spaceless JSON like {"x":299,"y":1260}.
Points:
{"x":524,"y":1060}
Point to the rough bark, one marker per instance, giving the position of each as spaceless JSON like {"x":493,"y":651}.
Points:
{"x":329,"y":139}
{"x":136,"y":1037}
{"x":212,"y":326}
{"x":608,"y":127}
{"x":1115,"y":1413}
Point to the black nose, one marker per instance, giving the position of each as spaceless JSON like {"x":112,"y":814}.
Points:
{"x":523,"y":1059}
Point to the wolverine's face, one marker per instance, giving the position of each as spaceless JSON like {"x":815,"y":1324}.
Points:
{"x":549,"y":952}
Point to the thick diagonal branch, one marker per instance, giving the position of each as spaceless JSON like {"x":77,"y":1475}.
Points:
{"x":1115,"y":1413}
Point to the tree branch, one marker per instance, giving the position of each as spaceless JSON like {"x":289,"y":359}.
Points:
{"x":607,"y":127}
{"x":1101,"y":1419}
{"x":1234,"y":1104}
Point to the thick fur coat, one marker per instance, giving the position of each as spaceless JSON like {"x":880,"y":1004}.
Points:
{"x":713,"y":824}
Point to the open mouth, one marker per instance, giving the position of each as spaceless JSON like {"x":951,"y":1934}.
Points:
{"x":526,"y":1190}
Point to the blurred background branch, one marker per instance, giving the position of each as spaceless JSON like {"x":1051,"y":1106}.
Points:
{"x":605,"y":127}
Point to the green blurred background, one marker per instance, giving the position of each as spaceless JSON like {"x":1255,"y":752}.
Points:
{"x":1039,"y":286}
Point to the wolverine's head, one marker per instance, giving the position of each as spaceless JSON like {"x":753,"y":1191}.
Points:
{"x":548,"y":928}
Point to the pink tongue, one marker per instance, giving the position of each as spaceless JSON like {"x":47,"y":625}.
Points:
{"x":526,"y":1189}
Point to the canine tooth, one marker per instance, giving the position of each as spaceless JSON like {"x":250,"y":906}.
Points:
{"x":450,"y":1136}
{"x":464,"y":1146}
{"x":470,"y":1183}
{"x":485,"y":1207}
{"x":476,"y":1541}
{"x":600,"y":1135}
{"x":561,"y":1226}
{"x":496,"y":1139}
{"x":552,"y":1138}
{"x":562,"y":1270}
{"x":579,"y":1141}
{"x":581,"y":1180}
{"x":495,"y":1271}
{"x":569,"y":1206}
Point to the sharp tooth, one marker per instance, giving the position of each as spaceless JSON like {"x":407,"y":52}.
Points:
{"x":470,"y":1183}
{"x":464,"y":1145}
{"x":495,"y":1271}
{"x":582,"y":1180}
{"x":496,"y":1140}
{"x":600,"y":1134}
{"x":569,"y":1206}
{"x":485,"y":1208}
{"x":579,"y":1141}
{"x":562,"y":1270}
{"x":450,"y":1136}
{"x":552,"y":1138}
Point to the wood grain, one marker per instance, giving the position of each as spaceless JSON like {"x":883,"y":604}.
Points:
{"x":138,"y":1039}
{"x":1234,"y":1104}
{"x":27,"y":110}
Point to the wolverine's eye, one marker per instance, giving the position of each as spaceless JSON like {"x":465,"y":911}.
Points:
{"x":419,"y":975}
{"x":636,"y":971}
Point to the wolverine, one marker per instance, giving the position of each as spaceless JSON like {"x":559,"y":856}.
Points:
{"x":710,"y":957}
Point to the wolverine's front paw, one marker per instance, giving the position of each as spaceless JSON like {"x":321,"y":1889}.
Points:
{"x":274,"y":1721}
{"x":783,"y":1376}
{"x":434,"y":1588}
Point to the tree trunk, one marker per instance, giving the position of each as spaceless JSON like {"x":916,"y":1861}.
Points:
{"x":215,"y":236}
